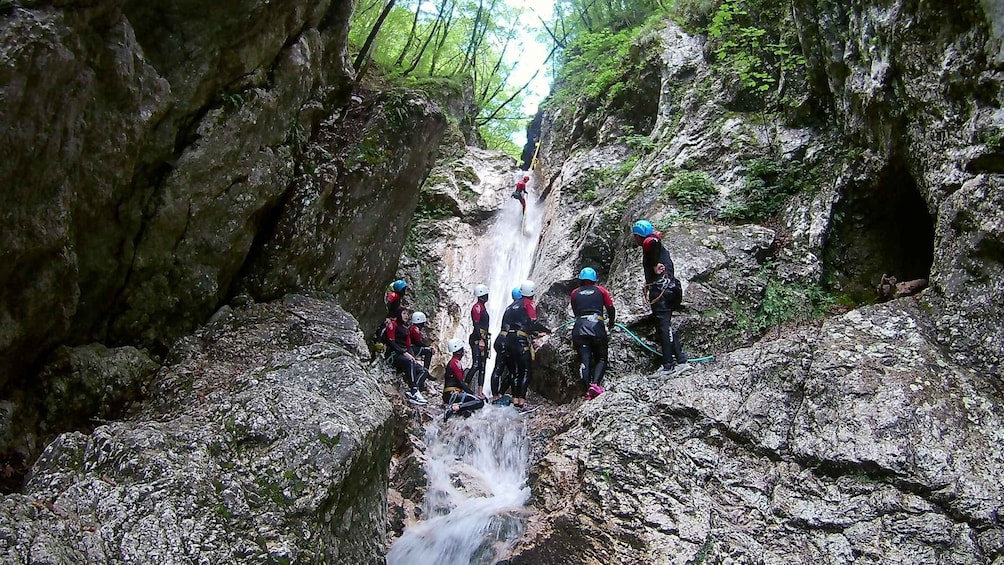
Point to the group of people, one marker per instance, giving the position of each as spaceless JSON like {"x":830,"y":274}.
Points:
{"x":594,"y":315}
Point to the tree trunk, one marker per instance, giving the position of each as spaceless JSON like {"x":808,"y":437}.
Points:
{"x":358,"y":63}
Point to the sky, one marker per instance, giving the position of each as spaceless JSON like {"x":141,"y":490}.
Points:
{"x":531,"y":59}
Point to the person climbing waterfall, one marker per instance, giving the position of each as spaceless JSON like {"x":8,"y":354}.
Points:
{"x":399,"y":338}
{"x":662,"y":290}
{"x":394,"y":299}
{"x":479,"y":340}
{"x":419,"y":347}
{"x":520,"y":192}
{"x":520,"y":323}
{"x":505,"y":365}
{"x":458,"y":396}
{"x":589,"y":335}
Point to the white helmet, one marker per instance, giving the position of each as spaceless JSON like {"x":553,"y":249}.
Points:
{"x":419,"y":318}
{"x":527,"y":288}
{"x":455,"y":345}
{"x":480,"y":290}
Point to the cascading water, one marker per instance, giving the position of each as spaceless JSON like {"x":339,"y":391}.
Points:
{"x":477,"y":467}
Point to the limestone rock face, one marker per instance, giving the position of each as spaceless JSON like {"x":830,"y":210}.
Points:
{"x":251,"y":451}
{"x":851,"y":440}
{"x":155,"y":148}
{"x":163,"y":157}
{"x":921,"y":86}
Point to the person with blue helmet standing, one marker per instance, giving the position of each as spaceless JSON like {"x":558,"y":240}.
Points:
{"x":589,"y":334}
{"x":520,"y":322}
{"x":662,"y":290}
{"x":505,"y":365}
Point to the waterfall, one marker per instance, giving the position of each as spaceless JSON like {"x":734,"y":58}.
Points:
{"x":477,"y":467}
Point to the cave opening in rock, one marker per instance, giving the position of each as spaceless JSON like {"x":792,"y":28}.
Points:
{"x":879,"y":229}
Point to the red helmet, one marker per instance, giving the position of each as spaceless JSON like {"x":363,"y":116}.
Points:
{"x":526,"y":178}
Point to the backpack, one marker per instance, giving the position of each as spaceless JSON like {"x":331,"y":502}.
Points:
{"x":674,"y":293}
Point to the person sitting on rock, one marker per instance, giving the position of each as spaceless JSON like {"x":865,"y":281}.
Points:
{"x":589,"y":336}
{"x":399,"y":339}
{"x":458,"y":396}
{"x":419,"y":347}
{"x":394,"y":299}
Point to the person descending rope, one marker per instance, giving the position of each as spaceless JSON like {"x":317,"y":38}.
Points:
{"x":520,"y":323}
{"x":589,"y":336}
{"x":662,"y":290}
{"x":457,"y":395}
{"x":479,"y":340}
{"x":505,"y":364}
{"x":520,"y":192}
{"x":399,"y":338}
{"x":419,"y":348}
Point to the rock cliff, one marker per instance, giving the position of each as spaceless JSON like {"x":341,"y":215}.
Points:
{"x":868,"y":434}
{"x":163,"y":158}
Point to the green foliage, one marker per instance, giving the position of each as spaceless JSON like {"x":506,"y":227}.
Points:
{"x":693,"y":189}
{"x":754,"y":41}
{"x":766,"y":186}
{"x":451,"y":50}
{"x":785,"y":303}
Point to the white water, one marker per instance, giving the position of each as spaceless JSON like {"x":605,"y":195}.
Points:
{"x":477,"y":467}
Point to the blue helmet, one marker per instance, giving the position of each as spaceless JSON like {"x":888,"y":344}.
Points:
{"x":643,"y":228}
{"x":587,"y":274}
{"x":398,"y":285}
{"x":516,"y":294}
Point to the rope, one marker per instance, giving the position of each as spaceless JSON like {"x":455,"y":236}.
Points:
{"x":641,"y":342}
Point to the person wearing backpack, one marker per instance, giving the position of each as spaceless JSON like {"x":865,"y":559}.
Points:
{"x":589,"y":335}
{"x":662,"y":291}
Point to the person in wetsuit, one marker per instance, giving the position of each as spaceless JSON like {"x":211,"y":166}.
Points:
{"x":505,"y":365}
{"x":419,"y":347}
{"x":520,"y":323}
{"x":520,"y":192}
{"x":479,"y":340}
{"x":399,"y":340}
{"x":458,"y":397}
{"x":589,"y":334}
{"x":663,"y":291}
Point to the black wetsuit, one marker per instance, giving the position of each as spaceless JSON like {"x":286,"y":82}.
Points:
{"x":656,"y":285}
{"x":399,"y":338}
{"x":589,"y":334}
{"x":475,"y":376}
{"x":520,"y":321}
{"x":456,"y":391}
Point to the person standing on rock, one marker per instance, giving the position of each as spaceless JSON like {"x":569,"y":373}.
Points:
{"x":662,"y":291}
{"x":458,"y":396}
{"x":399,"y":339}
{"x":479,"y":340}
{"x":520,"y":323}
{"x":505,"y":365}
{"x":589,"y":334}
{"x":520,"y":192}
{"x":419,"y":348}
